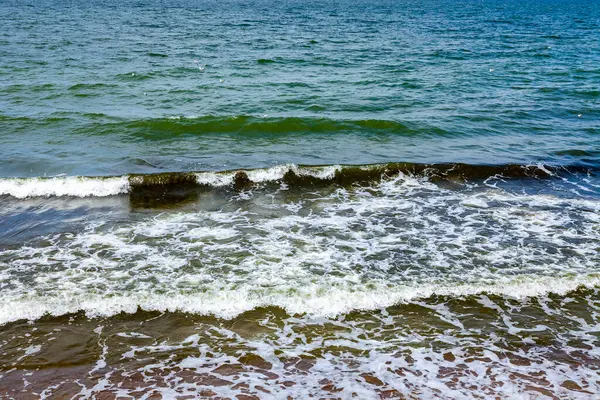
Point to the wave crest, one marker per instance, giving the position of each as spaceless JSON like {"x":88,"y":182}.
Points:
{"x":290,"y":174}
{"x":315,"y":300}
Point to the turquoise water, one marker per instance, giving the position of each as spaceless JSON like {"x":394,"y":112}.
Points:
{"x":300,"y":199}
{"x":100,"y":88}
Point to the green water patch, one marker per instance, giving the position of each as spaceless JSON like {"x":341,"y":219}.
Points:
{"x":255,"y":126}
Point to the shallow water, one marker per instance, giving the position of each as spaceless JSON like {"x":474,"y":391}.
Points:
{"x":260,"y":200}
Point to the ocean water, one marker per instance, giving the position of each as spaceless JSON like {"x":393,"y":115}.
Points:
{"x":301,"y":199}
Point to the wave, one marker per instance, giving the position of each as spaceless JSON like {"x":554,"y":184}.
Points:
{"x":290,"y":174}
{"x":328,"y":252}
{"x":244,"y":124}
{"x":156,"y":128}
{"x":314,"y":300}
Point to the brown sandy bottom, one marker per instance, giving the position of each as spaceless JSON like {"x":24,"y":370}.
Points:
{"x":475,"y":347}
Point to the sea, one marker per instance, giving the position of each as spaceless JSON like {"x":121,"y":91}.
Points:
{"x":265,"y":199}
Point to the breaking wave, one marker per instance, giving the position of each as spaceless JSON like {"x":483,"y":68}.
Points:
{"x":321,"y":252}
{"x":316,"y":300}
{"x":290,"y":174}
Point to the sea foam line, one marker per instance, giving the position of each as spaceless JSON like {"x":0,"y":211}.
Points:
{"x":315,"y":300}
{"x":80,"y":186}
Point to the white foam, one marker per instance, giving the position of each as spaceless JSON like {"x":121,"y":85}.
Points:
{"x":30,"y":350}
{"x":214,"y":179}
{"x":322,"y":299}
{"x":64,"y":186}
{"x":271,"y":174}
{"x":324,"y":254}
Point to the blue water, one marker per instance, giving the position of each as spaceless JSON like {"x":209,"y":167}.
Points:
{"x":87,"y":88}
